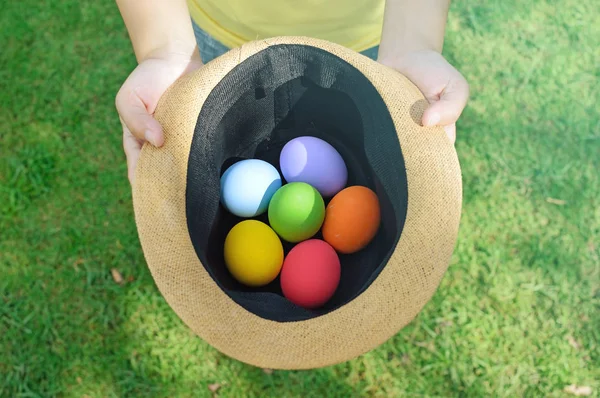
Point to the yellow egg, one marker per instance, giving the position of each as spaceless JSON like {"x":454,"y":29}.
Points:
{"x":253,"y":253}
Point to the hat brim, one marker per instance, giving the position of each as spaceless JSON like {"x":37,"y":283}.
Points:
{"x":392,"y":300}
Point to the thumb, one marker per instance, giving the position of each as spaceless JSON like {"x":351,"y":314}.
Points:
{"x":448,"y":108}
{"x":136,"y":117}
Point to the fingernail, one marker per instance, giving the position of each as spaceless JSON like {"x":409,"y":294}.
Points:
{"x":149,"y":137}
{"x":433,"y":120}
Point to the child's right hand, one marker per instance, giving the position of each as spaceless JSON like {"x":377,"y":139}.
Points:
{"x":139,"y":95}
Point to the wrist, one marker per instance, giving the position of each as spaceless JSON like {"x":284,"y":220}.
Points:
{"x":412,"y":26}
{"x":175,"y":50}
{"x":396,"y":50}
{"x":397,"y":60}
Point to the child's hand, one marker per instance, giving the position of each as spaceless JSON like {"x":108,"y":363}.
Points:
{"x":138,"y":97}
{"x":444,"y":87}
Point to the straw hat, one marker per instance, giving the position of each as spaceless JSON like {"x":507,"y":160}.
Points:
{"x":249,"y":103}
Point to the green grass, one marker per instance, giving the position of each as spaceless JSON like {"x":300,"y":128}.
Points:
{"x":517,"y":314}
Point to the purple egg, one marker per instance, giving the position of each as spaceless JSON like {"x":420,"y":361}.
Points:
{"x":315,"y":162}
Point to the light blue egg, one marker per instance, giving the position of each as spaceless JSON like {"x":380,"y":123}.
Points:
{"x":248,"y":186}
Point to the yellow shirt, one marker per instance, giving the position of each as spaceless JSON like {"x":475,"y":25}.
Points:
{"x":355,"y":24}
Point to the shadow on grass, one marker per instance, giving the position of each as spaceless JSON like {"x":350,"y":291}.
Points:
{"x":161,"y":356}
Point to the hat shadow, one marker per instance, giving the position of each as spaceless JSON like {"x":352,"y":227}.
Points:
{"x":325,"y":381}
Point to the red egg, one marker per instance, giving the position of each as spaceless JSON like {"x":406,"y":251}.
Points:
{"x":310,"y":274}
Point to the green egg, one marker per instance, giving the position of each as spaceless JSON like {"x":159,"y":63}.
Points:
{"x":296,"y":212}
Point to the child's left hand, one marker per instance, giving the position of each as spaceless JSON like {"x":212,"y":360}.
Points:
{"x":444,"y":87}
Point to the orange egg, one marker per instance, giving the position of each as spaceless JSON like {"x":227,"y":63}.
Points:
{"x":352,"y":219}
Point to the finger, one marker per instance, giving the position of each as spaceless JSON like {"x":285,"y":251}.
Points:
{"x":448,"y":108}
{"x":135,"y":116}
{"x":132,"y":147}
{"x":451,"y":132}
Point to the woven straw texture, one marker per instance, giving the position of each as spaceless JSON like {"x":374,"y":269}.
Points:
{"x":403,"y":287}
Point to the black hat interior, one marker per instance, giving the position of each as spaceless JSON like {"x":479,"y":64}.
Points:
{"x":283,"y":92}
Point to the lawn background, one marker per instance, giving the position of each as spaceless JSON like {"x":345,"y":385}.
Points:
{"x":517,"y":314}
